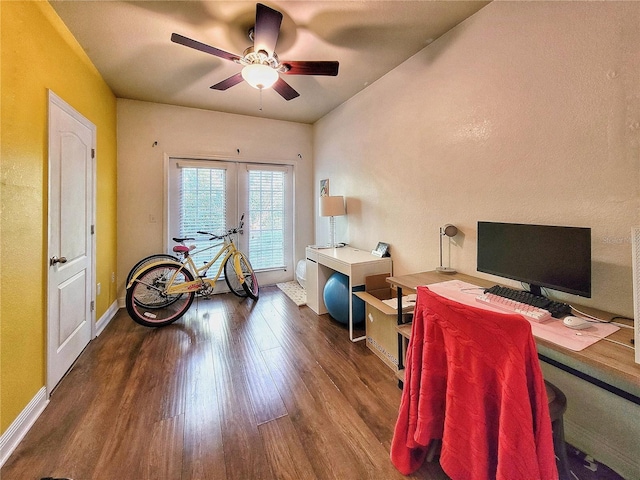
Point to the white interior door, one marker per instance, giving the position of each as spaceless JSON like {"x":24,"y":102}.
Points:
{"x":70,"y":316}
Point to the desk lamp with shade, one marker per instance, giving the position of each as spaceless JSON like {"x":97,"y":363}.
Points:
{"x":332,"y":207}
{"x":447,"y":230}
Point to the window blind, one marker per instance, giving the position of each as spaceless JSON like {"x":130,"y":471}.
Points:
{"x":202,"y":206}
{"x":267,"y":212}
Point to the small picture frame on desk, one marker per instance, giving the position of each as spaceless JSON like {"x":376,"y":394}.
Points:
{"x":382,"y":250}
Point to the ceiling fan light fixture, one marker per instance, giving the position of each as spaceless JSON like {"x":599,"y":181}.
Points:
{"x":260,"y":76}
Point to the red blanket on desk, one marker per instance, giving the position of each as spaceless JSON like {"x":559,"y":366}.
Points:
{"x":473,"y":380}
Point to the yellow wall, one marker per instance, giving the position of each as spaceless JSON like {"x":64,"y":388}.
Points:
{"x":39,"y":53}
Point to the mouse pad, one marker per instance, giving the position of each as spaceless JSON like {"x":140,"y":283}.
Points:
{"x":553,"y":331}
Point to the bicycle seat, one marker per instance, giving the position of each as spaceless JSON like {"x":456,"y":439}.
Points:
{"x":183,"y":248}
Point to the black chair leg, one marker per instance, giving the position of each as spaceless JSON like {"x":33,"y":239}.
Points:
{"x":560,"y":447}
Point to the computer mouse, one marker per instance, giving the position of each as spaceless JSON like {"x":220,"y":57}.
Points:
{"x":576,"y":323}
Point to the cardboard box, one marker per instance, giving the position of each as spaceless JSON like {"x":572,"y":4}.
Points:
{"x":381,"y":319}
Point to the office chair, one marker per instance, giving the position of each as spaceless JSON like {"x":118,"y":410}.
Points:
{"x":473,"y":382}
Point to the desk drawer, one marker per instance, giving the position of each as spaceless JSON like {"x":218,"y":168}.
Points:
{"x":335,"y":264}
{"x":312,"y":254}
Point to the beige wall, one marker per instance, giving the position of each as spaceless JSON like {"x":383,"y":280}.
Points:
{"x":526,"y":112}
{"x":187,"y":131}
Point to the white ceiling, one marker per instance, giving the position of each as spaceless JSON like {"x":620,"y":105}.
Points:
{"x":129,"y":43}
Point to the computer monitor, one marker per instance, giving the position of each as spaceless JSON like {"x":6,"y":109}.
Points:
{"x":543,"y":256}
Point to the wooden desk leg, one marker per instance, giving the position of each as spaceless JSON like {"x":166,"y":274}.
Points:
{"x":400,"y":339}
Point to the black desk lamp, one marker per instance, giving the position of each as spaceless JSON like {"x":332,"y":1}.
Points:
{"x":449,"y":231}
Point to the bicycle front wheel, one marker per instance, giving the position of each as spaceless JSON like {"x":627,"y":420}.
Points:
{"x":240,"y":276}
{"x":233,"y":282}
{"x":158,"y":257}
{"x":147,"y":302}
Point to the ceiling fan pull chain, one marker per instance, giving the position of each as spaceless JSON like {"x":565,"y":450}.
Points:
{"x":260,"y":99}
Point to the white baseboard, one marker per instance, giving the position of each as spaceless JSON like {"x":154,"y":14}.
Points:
{"x":104,"y":320}
{"x":21,"y":425}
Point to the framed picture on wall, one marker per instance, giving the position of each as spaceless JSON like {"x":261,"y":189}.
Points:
{"x":324,"y":187}
{"x":382,"y":250}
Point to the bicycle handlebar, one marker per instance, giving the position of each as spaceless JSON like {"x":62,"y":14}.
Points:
{"x":182,"y":240}
{"x":219,"y":237}
{"x":230,"y":232}
{"x":213,"y":236}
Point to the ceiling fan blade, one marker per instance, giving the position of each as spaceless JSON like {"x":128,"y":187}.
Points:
{"x":229,"y":82}
{"x":187,"y":42}
{"x":267,"y":29}
{"x":285,"y":90}
{"x":311,"y":68}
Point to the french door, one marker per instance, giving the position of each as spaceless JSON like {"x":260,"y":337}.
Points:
{"x":212,"y":195}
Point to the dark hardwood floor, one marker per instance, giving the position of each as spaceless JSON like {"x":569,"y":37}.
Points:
{"x":234,"y":390}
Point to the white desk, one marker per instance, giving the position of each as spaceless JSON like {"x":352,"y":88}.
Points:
{"x":355,"y":264}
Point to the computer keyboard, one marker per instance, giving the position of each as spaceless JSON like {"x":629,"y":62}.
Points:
{"x":556,"y":309}
{"x":530,"y":312}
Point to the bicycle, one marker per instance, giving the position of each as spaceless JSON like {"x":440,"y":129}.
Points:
{"x":160,"y":292}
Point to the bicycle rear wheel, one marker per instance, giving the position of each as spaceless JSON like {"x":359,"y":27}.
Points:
{"x":243,"y":282}
{"x":157,"y":257}
{"x":151,"y":300}
{"x":146,"y":302}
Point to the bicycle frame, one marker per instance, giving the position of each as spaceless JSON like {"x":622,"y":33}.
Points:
{"x":228,"y":248}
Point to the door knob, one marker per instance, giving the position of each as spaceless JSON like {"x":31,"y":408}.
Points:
{"x":53,"y":260}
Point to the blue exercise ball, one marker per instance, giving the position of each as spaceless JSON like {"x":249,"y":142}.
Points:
{"x":336,"y":299}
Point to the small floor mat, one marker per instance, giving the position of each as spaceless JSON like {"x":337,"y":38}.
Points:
{"x":294,"y":291}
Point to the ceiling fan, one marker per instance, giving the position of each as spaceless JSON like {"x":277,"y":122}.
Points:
{"x":261,"y":66}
